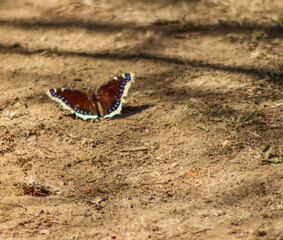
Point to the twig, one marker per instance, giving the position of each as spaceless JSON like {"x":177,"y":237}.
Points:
{"x":134,"y":149}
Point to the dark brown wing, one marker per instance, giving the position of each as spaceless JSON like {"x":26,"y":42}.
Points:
{"x":75,"y":101}
{"x":110,"y":95}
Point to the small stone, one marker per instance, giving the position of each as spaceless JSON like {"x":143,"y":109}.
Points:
{"x":17,"y":105}
{"x":32,"y":139}
{"x":174,"y":164}
{"x":97,"y":200}
{"x":44,"y":231}
{"x":226,"y":143}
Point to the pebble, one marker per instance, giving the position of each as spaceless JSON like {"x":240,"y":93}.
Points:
{"x":32,"y":139}
{"x":226,"y":143}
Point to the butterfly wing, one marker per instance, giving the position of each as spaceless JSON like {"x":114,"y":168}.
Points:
{"x":75,"y":101}
{"x":110,"y":95}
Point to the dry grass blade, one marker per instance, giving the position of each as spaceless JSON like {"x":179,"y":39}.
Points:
{"x":202,"y":127}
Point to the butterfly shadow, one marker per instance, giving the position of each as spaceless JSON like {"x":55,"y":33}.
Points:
{"x":132,"y":110}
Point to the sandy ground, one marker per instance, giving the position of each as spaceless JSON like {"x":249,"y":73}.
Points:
{"x":185,"y":158}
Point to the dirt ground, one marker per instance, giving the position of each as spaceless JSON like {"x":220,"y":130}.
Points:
{"x":197,"y":150}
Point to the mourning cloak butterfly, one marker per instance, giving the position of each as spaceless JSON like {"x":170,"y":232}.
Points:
{"x":105,"y":102}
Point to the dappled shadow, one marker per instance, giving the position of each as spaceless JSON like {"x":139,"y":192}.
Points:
{"x":259,"y":72}
{"x":148,"y":159}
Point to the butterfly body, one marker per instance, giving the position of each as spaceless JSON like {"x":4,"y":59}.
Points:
{"x":105,"y":102}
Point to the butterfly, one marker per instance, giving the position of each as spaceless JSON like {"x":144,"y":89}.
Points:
{"x":105,"y":102}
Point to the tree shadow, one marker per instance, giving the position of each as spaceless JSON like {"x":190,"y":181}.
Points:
{"x":222,"y":27}
{"x":161,"y":26}
{"x":259,"y":72}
